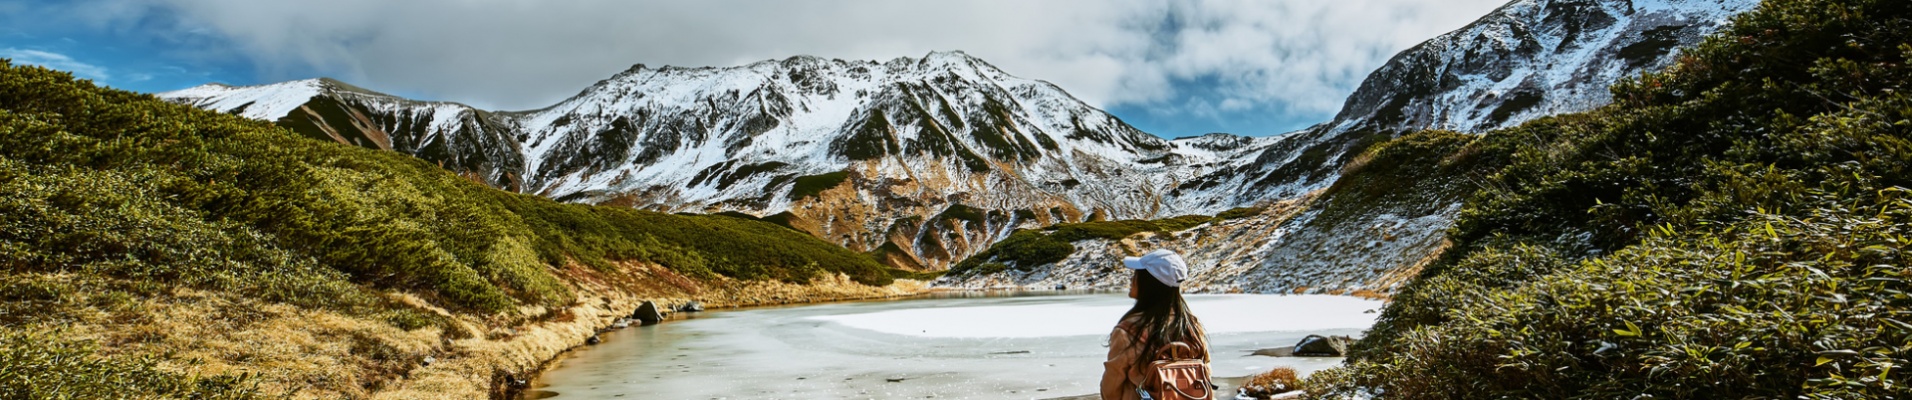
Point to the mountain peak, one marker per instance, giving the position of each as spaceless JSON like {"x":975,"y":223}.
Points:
{"x":954,"y":60}
{"x":949,"y":56}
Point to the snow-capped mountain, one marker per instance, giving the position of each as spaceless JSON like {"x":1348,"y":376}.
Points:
{"x":1526,"y":60}
{"x":933,"y":157}
{"x":703,"y":137}
{"x":1530,"y":59}
{"x":925,"y":161}
{"x":456,"y":136}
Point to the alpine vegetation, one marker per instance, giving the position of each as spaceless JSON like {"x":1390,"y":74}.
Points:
{"x":132,"y":227}
{"x":1732,"y":227}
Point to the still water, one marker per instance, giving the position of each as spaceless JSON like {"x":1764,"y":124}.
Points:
{"x":952,"y":347}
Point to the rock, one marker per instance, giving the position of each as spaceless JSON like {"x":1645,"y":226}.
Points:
{"x":428,"y":361}
{"x":692,"y":306}
{"x":1276,"y":352}
{"x":594,"y":340}
{"x":648,"y":314}
{"x":1323,"y":346}
{"x":621,"y":323}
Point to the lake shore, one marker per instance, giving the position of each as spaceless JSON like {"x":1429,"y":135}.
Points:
{"x":910,"y":347}
{"x":502,"y":368}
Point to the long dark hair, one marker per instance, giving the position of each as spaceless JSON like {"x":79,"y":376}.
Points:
{"x":1162,"y":317}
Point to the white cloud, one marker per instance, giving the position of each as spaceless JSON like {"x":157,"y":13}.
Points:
{"x":1300,"y":56}
{"x":55,"y":61}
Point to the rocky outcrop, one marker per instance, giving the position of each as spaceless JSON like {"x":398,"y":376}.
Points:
{"x":1323,"y":346}
{"x":648,"y":314}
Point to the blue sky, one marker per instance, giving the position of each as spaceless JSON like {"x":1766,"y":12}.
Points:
{"x":1173,"y":67}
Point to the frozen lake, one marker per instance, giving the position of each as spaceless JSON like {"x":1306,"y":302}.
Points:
{"x":955,"y":347}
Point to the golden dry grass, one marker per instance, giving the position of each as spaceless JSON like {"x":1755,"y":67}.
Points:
{"x":305,"y":353}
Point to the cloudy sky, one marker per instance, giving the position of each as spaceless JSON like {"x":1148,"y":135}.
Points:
{"x":1173,"y":68}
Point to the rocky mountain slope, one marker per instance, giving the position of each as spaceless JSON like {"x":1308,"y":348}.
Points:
{"x":925,"y":161}
{"x":922,"y":160}
{"x":1384,"y":219}
{"x":1528,"y":59}
{"x":455,"y":136}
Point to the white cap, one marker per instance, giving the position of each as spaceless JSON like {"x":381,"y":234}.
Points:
{"x":1165,"y":265}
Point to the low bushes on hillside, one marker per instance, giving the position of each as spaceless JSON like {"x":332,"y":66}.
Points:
{"x":43,"y":366}
{"x":121,"y":184}
{"x":122,"y":215}
{"x":1734,"y":227}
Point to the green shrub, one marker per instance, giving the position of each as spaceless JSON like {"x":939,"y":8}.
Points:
{"x":1239,"y":213}
{"x":1733,"y":227}
{"x":1182,"y":223}
{"x":811,"y":185}
{"x":1419,"y":173}
{"x":959,"y":212}
{"x":45,"y":366}
{"x":921,"y":276}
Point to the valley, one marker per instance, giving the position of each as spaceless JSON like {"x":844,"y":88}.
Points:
{"x":924,"y":162}
{"x":1563,"y":199}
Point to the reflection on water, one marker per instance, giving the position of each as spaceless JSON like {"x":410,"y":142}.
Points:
{"x":1041,"y":347}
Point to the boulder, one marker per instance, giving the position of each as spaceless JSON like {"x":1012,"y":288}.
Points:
{"x":648,"y":314}
{"x":594,"y":340}
{"x":692,"y":306}
{"x":1323,"y":346}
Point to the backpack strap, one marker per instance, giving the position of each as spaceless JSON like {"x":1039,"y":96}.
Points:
{"x":1176,"y":351}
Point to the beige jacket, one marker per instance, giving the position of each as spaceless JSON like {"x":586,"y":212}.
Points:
{"x":1120,"y":374}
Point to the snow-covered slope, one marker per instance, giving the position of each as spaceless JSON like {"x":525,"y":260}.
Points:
{"x":1526,"y":60}
{"x":453,"y":135}
{"x":266,"y":102}
{"x":1529,"y":59}
{"x":947,"y":116}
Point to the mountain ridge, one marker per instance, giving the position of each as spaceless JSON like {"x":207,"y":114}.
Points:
{"x":940,"y":156}
{"x":918,"y":135}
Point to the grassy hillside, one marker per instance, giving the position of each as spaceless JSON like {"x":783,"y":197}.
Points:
{"x":110,"y":199}
{"x":1734,"y":227}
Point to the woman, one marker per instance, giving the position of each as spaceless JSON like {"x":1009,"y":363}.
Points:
{"x":1159,"y":317}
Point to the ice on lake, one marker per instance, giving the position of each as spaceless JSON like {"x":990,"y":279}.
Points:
{"x":997,"y":347}
{"x":1219,"y":314}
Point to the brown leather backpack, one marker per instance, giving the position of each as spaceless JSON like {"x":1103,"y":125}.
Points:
{"x":1178,"y":373}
